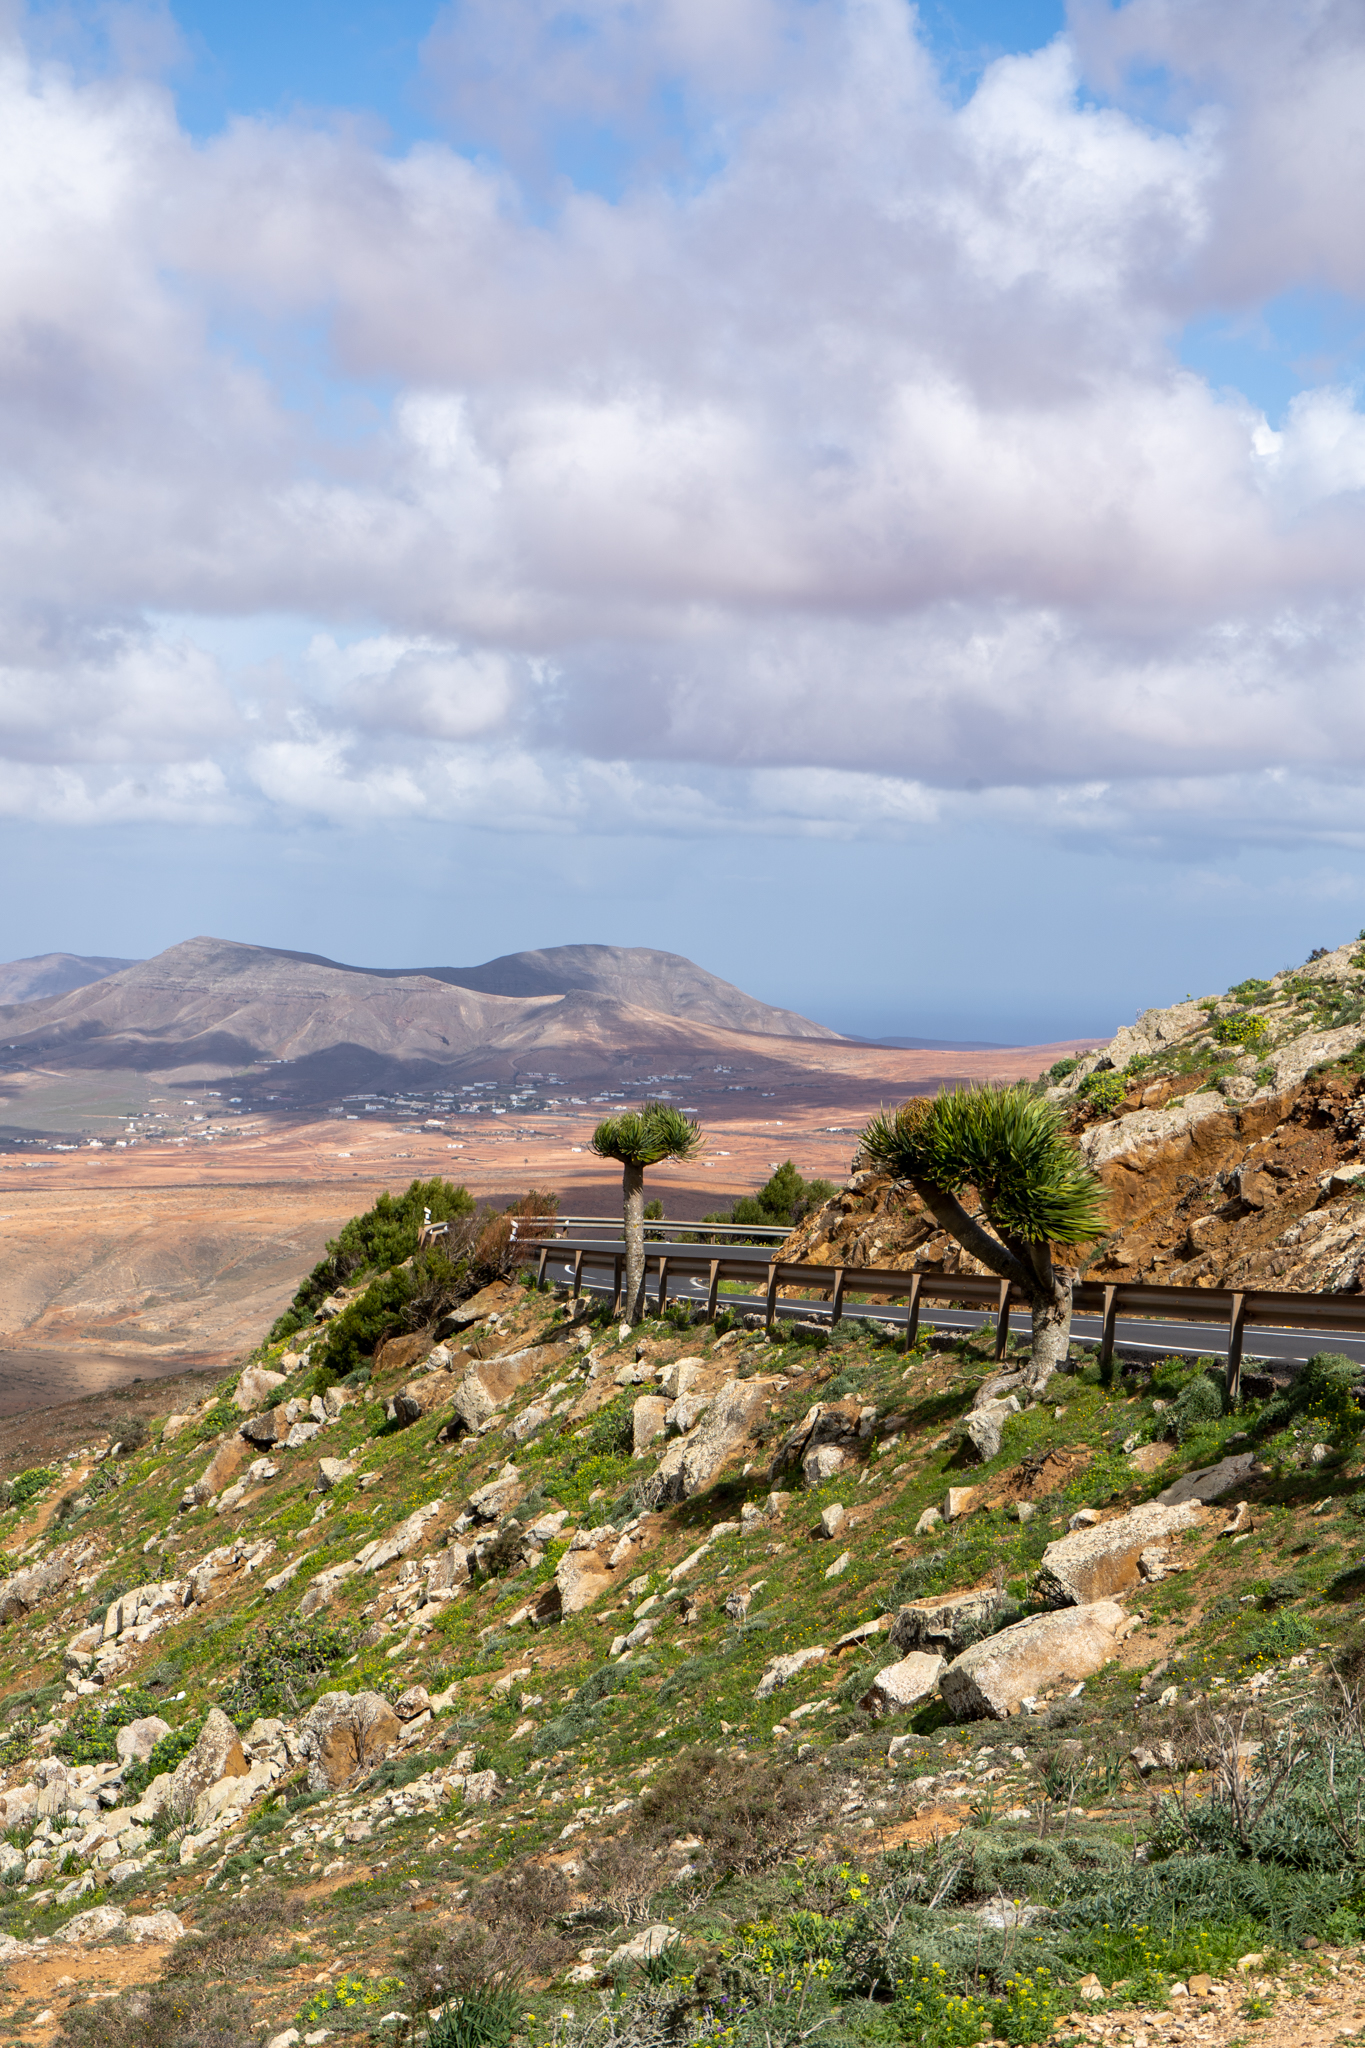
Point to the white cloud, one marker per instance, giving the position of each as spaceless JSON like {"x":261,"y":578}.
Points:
{"x":841,"y":469}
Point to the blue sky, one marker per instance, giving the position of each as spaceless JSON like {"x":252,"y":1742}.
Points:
{"x":691,"y":474}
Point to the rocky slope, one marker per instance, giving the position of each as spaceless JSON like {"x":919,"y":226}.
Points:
{"x":1227,"y":1131}
{"x":545,"y":1633}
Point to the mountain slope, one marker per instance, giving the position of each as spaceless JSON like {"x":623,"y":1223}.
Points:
{"x":214,"y":1002}
{"x":53,"y":974}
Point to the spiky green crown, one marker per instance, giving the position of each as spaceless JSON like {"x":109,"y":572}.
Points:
{"x":1007,"y":1143}
{"x":643,"y":1137}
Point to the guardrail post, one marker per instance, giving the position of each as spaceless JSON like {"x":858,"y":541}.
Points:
{"x":663,"y":1280}
{"x":1002,"y":1329}
{"x":771,"y":1309}
{"x":540,"y":1265}
{"x":912,"y":1310}
{"x":836,"y":1309}
{"x":617,"y":1283}
{"x":577,"y":1272}
{"x":1236,"y":1326}
{"x":712,"y":1291}
{"x":1107,"y":1332}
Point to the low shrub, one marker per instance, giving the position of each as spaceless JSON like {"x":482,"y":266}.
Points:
{"x":281,"y":1666}
{"x":1199,"y":1404}
{"x":25,"y":1486}
{"x":748,"y":1812}
{"x":1103,"y":1092}
{"x":88,"y":1737}
{"x":189,"y":2014}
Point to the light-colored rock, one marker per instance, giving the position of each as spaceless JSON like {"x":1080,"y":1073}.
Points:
{"x":650,"y":1942}
{"x":681,"y":1376}
{"x":648,"y":1420}
{"x":1084,"y":1518}
{"x":686,"y":1412}
{"x":692,"y":1462}
{"x":822,"y":1463}
{"x":783,"y":1669}
{"x":256,"y":1385}
{"x":490,"y":1503}
{"x":984,"y":1427}
{"x":22,"y":1593}
{"x":832,"y":1519}
{"x":139,"y":1738}
{"x":531,"y":1420}
{"x":216,"y":1755}
{"x":902,"y":1686}
{"x":581,"y":1577}
{"x":1239,"y":1521}
{"x":400,"y":1542}
{"x":221,"y":1468}
{"x":301,"y":1433}
{"x":840,"y":1565}
{"x":993,"y":1678}
{"x":333,"y":1472}
{"x":945,"y":1622}
{"x":1103,"y":1561}
{"x":959,"y":1501}
{"x":345,"y":1734}
{"x":1149,"y":1457}
{"x":412,"y":1702}
{"x":419,"y":1397}
{"x":930,"y":1519}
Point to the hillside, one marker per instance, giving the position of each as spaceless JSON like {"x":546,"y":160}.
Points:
{"x":1226,"y":1129}
{"x":552,"y":1659}
{"x":53,"y":974}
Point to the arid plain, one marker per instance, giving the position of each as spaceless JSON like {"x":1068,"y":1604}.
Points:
{"x":117,"y":1265}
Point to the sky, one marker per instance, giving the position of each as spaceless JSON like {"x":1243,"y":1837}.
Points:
{"x":869,"y":497}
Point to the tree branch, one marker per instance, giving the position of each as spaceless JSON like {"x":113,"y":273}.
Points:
{"x":949,"y":1213}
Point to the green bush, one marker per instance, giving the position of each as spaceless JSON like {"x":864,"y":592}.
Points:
{"x":783,"y":1200}
{"x":1059,"y":1069}
{"x":26,"y":1486}
{"x":281,"y":1666}
{"x":1199,"y":1404}
{"x":1248,"y":1032}
{"x":166,"y":1754}
{"x":88,"y":1737}
{"x":1103,"y":1092}
{"x":383,"y":1237}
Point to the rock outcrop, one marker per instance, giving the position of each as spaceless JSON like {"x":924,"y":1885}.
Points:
{"x":692,"y":1462}
{"x":995,"y":1678}
{"x":345,"y":1734}
{"x":1105,"y":1561}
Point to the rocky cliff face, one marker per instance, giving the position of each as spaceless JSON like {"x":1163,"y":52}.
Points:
{"x":1227,"y":1131}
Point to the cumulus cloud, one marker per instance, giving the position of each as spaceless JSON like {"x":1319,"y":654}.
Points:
{"x":837,"y":464}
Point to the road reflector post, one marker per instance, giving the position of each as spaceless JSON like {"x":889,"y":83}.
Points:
{"x":1236,"y":1328}
{"x":1002,"y":1330}
{"x":912,"y":1311}
{"x":712,"y":1291}
{"x":1107,"y":1332}
{"x":770,"y":1311}
{"x":663,"y":1280}
{"x":836,"y":1313}
{"x":577,"y":1273}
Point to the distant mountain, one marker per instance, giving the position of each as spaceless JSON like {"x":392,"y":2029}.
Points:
{"x":53,"y":974}
{"x":214,"y":1005}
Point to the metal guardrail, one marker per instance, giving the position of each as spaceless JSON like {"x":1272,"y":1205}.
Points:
{"x":1238,"y":1310}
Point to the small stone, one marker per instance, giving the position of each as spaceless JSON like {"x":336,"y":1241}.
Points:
{"x":1024,"y":1511}
{"x":1084,"y":1518}
{"x":840,"y":1565}
{"x":832,"y":1519}
{"x":1239,"y":1521}
{"x":959,"y":1501}
{"x":930,"y":1519}
{"x":1200,"y":1985}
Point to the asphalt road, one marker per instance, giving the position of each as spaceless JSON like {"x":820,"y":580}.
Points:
{"x":1131,"y":1333}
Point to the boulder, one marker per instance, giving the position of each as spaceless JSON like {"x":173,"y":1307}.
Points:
{"x":418,"y":1398}
{"x":902,"y":1686}
{"x":681,"y":1376}
{"x":829,"y":1423}
{"x":345,"y":1734}
{"x":985,"y":1425}
{"x":220,"y":1469}
{"x":256,"y":1385}
{"x":686,"y":1412}
{"x":412,"y":1702}
{"x":266,"y":1429}
{"x":692,"y":1462}
{"x":530,"y":1420}
{"x":495,"y":1299}
{"x":491,"y":1502}
{"x":959,"y":1501}
{"x":996,"y":1388}
{"x":217,"y":1754}
{"x":488,"y":1384}
{"x":581,"y":1577}
{"x":395,"y":1354}
{"x":136,"y":1742}
{"x":783,"y":1669}
{"x":994,"y":1678}
{"x":400,"y":1542}
{"x":1104,"y":1560}
{"x":1211,"y":1482}
{"x":648,"y":1420}
{"x":832,"y":1519}
{"x":823,"y":1462}
{"x":20,"y":1594}
{"x":333,"y":1472}
{"x":643,"y":1947}
{"x":946,"y":1622}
